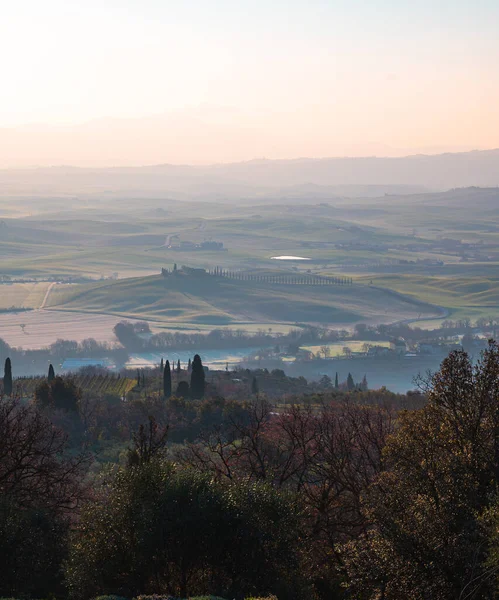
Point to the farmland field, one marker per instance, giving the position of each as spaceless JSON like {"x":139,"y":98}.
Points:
{"x":22,"y":295}
{"x":336,"y":349}
{"x":38,"y":329}
{"x":464,"y":297}
{"x":101,"y":384}
{"x":414,"y":258}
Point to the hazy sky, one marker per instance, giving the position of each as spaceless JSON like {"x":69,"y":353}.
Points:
{"x":267,"y":77}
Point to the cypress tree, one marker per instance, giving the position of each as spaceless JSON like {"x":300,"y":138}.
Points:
{"x":189,"y":366}
{"x":254,"y":386}
{"x":138,"y":377}
{"x":51,"y":375}
{"x":167,"y":380}
{"x":336,"y":382}
{"x":7,"y":378}
{"x":350,"y":383}
{"x":162,"y":364}
{"x":178,"y":365}
{"x":197,"y":378}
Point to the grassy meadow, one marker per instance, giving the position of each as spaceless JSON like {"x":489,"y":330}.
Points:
{"x":220,"y":301}
{"x":463,"y":297}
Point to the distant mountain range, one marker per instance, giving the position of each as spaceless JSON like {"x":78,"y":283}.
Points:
{"x":300,"y":178}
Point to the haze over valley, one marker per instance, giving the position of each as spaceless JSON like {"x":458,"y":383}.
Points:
{"x":249,"y":300}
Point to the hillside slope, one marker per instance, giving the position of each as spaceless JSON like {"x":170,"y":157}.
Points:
{"x":464,"y":297}
{"x":219,"y":301}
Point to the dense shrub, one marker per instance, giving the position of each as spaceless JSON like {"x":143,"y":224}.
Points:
{"x":152,"y":529}
{"x":32,"y":548}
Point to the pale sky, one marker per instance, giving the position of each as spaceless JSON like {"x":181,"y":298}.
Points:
{"x":270,"y":78}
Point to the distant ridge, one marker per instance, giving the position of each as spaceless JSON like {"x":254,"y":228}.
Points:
{"x":257,"y":178}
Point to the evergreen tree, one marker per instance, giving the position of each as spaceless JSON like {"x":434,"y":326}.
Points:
{"x":64,"y":394}
{"x":182,"y":390}
{"x":336,"y":382}
{"x":178,"y":366}
{"x":189,"y":366}
{"x":197,"y":378}
{"x":364,"y":385}
{"x":350,"y":383}
{"x":254,"y":386}
{"x":7,"y":378}
{"x":138,"y":377}
{"x":167,"y":380}
{"x":51,"y":375}
{"x":162,"y":365}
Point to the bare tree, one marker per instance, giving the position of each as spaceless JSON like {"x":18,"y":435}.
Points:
{"x":34,"y":463}
{"x":149,"y":442}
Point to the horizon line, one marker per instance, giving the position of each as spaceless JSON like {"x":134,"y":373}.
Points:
{"x":249,"y":161}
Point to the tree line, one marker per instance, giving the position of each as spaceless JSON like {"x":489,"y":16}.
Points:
{"x":284,"y":279}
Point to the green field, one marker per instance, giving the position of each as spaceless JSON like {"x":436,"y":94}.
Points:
{"x":218,"y":301}
{"x":336,"y":349}
{"x":464,"y":297}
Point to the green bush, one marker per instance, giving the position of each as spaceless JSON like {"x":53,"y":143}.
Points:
{"x":189,"y":530}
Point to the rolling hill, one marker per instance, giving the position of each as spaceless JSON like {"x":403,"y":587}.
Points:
{"x":464,"y":297}
{"x":215,"y":301}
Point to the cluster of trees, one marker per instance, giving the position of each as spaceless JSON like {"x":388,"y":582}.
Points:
{"x":137,"y":337}
{"x":130,"y":335}
{"x":348,"y":385}
{"x":342,"y":495}
{"x":195,"y":390}
{"x":448,"y":328}
{"x":156,"y":528}
{"x":35,"y":361}
{"x":466,"y":323}
{"x":401,"y":505}
{"x":40,"y":490}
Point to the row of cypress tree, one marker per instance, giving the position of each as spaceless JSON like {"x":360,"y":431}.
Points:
{"x":7,"y":376}
{"x":195,"y":390}
{"x":178,"y":368}
{"x":197,"y":386}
